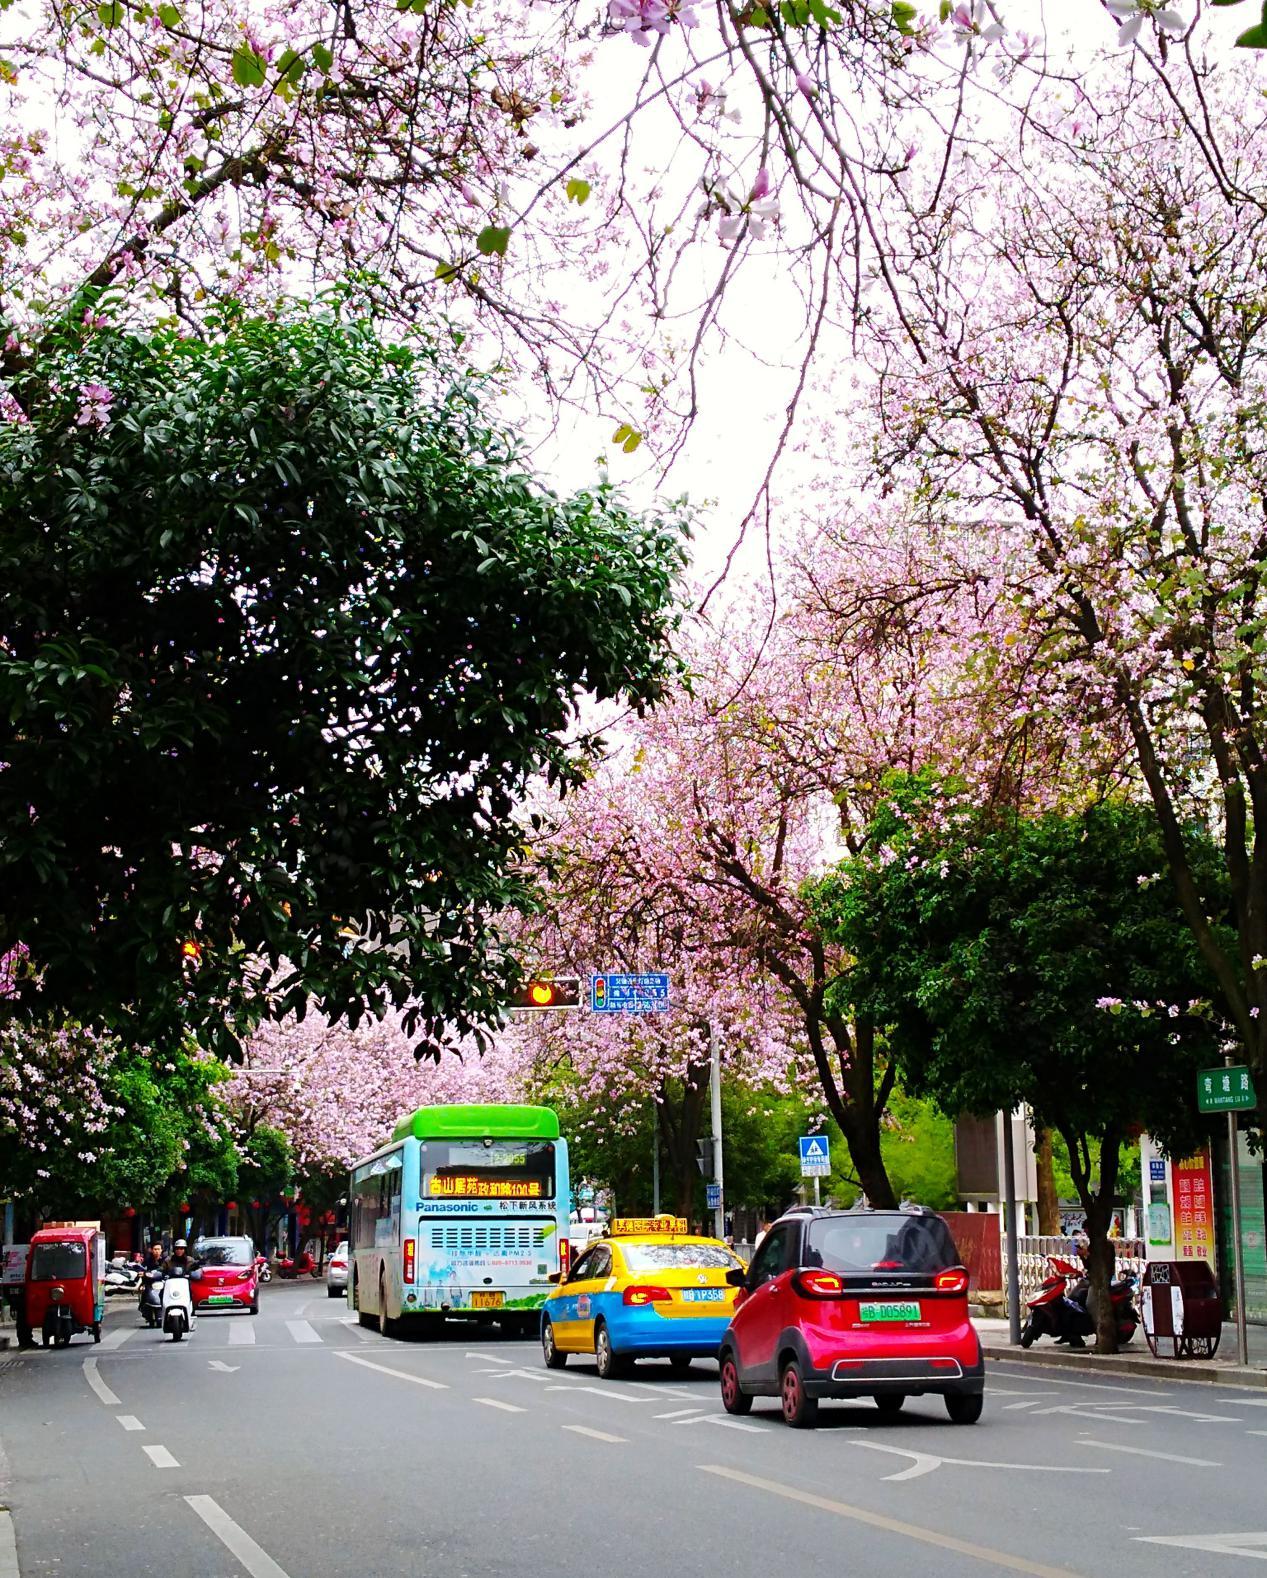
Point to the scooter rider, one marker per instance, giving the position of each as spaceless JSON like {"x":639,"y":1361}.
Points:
{"x":153,"y":1262}
{"x":180,"y":1262}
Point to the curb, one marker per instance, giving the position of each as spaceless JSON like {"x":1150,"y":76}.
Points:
{"x":1154,"y":1369}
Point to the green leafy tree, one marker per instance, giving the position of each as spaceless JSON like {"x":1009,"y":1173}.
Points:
{"x":289,"y":629}
{"x":1041,"y":961}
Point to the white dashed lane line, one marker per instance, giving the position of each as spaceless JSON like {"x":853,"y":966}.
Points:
{"x":1166,"y":1457}
{"x":401,"y":1375}
{"x":98,"y":1385}
{"x":129,"y":1421}
{"x":596,"y":1435}
{"x":303,"y":1331}
{"x":160,"y":1457}
{"x":255,"y":1560}
{"x":496,"y":1402}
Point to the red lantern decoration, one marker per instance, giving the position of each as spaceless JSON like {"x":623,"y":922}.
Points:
{"x":230,"y":1205}
{"x":129,"y":1211}
{"x":328,"y":1218}
{"x":255,"y":1205}
{"x":183,"y":1207}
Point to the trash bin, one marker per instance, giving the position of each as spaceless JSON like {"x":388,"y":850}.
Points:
{"x":1183,"y":1314}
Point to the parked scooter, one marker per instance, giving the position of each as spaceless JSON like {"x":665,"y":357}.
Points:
{"x":122,"y":1277}
{"x":263,"y":1269}
{"x":1059,"y":1308}
{"x":302,"y":1265}
{"x":152,"y":1279}
{"x":178,"y":1306}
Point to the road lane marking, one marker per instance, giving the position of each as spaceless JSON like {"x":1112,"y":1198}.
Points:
{"x":600,"y":1391}
{"x":117,"y":1337}
{"x":496,"y":1402}
{"x":597,"y":1435}
{"x":303,"y":1331}
{"x":401,"y":1375}
{"x":721,"y":1419}
{"x":523,"y":1375}
{"x":1254,"y":1545}
{"x":1166,"y":1457}
{"x":490,"y":1358}
{"x":160,"y":1457}
{"x":1085,"y":1386}
{"x":235,"y":1538}
{"x":876,"y":1520}
{"x":99,"y":1386}
{"x":8,"y":1547}
{"x":241,"y":1335}
{"x":926,"y":1462}
{"x":225,"y":1369}
{"x":678,"y":1413}
{"x":129,"y":1421}
{"x":1029,"y":1402}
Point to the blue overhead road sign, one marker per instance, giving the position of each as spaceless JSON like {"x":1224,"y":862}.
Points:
{"x":647,"y":993}
{"x":815,"y":1156}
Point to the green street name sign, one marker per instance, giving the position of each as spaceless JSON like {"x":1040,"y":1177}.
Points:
{"x":1225,"y":1090}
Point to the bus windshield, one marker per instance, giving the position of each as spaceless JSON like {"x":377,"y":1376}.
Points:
{"x":480,"y":1169}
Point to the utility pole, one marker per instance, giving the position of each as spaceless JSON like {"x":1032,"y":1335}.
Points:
{"x":714,"y":1060}
{"x":1238,"y":1252}
{"x":655,"y":1158}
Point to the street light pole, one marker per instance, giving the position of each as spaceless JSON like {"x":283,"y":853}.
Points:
{"x":714,"y":1061}
{"x":1238,"y":1253}
{"x":655,"y":1158}
{"x":1013,"y":1269}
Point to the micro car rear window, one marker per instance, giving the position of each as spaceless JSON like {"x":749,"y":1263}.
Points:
{"x":678,"y":1257}
{"x":225,"y":1251}
{"x":881,"y":1243}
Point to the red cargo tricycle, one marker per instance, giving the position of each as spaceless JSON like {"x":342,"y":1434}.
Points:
{"x":63,"y":1294}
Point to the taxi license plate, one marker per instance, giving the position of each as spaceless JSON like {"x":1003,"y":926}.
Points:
{"x":887,"y":1312}
{"x":703,"y":1295}
{"x":487,"y":1301}
{"x":220,"y":1298}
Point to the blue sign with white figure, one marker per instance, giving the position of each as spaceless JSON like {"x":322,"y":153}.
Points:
{"x":815,"y":1155}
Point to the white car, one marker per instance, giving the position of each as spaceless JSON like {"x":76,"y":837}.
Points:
{"x":337,"y":1271}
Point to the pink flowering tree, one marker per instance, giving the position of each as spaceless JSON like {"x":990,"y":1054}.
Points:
{"x":1074,"y":370}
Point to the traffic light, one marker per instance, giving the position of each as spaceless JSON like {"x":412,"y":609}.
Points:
{"x":559,"y":992}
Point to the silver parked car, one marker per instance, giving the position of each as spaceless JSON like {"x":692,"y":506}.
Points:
{"x":337,"y":1271}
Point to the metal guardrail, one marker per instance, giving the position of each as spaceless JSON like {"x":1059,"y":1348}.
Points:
{"x":1032,"y":1253}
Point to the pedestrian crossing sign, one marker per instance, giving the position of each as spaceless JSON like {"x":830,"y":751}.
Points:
{"x":815,"y":1155}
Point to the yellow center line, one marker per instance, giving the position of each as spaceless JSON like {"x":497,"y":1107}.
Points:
{"x":877,"y":1520}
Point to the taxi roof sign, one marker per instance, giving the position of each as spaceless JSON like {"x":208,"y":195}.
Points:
{"x":631,"y":1226}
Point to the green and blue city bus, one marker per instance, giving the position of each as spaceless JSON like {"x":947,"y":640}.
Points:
{"x":463,"y":1213}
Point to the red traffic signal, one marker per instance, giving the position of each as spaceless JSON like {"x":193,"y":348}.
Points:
{"x":561,"y":992}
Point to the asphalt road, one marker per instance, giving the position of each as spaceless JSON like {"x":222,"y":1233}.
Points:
{"x":297,"y":1445}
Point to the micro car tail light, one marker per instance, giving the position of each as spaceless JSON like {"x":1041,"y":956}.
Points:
{"x":953,"y":1281}
{"x":245,"y":1276}
{"x":647,"y":1295}
{"x":410,"y":1257}
{"x":819,"y":1284}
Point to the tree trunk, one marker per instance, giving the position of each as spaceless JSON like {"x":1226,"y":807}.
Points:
{"x":868,"y":1163}
{"x":1048,"y":1204}
{"x":1101,"y":1260}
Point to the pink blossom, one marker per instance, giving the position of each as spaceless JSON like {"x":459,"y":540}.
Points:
{"x":94,"y":406}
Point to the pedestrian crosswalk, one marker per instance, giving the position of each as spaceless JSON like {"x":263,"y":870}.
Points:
{"x":241,"y":1334}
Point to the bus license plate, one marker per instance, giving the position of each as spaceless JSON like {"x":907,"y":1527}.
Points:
{"x":487,"y":1301}
{"x":703,"y":1295}
{"x":887,"y":1312}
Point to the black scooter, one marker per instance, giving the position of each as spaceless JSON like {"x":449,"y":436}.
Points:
{"x":152,"y":1296}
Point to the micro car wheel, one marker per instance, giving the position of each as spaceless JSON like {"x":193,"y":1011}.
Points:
{"x":890,"y":1403}
{"x":733,"y":1398}
{"x":610,"y":1364}
{"x":554,"y":1359}
{"x":799,"y":1411}
{"x":964,"y":1408}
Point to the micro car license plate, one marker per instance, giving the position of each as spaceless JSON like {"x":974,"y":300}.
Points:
{"x":220,"y":1298}
{"x":886,"y":1312}
{"x":487,"y":1301}
{"x":703,"y":1295}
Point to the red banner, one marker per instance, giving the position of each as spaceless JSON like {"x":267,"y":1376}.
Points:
{"x":1193,"y":1189}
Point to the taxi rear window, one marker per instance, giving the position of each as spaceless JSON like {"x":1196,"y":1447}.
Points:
{"x":678,"y":1257}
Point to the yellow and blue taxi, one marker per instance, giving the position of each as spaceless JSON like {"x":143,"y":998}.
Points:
{"x":650,"y":1290}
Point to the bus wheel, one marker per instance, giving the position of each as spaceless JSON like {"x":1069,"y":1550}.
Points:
{"x":384,"y":1325}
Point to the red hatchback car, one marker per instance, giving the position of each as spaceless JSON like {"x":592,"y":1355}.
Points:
{"x":230,"y":1278}
{"x":853,"y":1304}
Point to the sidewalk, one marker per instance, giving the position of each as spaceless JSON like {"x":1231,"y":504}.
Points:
{"x":1222,"y":1370}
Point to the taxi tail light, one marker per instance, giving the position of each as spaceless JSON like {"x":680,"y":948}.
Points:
{"x":410,"y":1257}
{"x":647,"y":1295}
{"x":953,"y":1281}
{"x":818,"y":1284}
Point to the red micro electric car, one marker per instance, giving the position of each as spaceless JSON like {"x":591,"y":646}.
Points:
{"x":853,"y":1304}
{"x":230,"y":1277}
